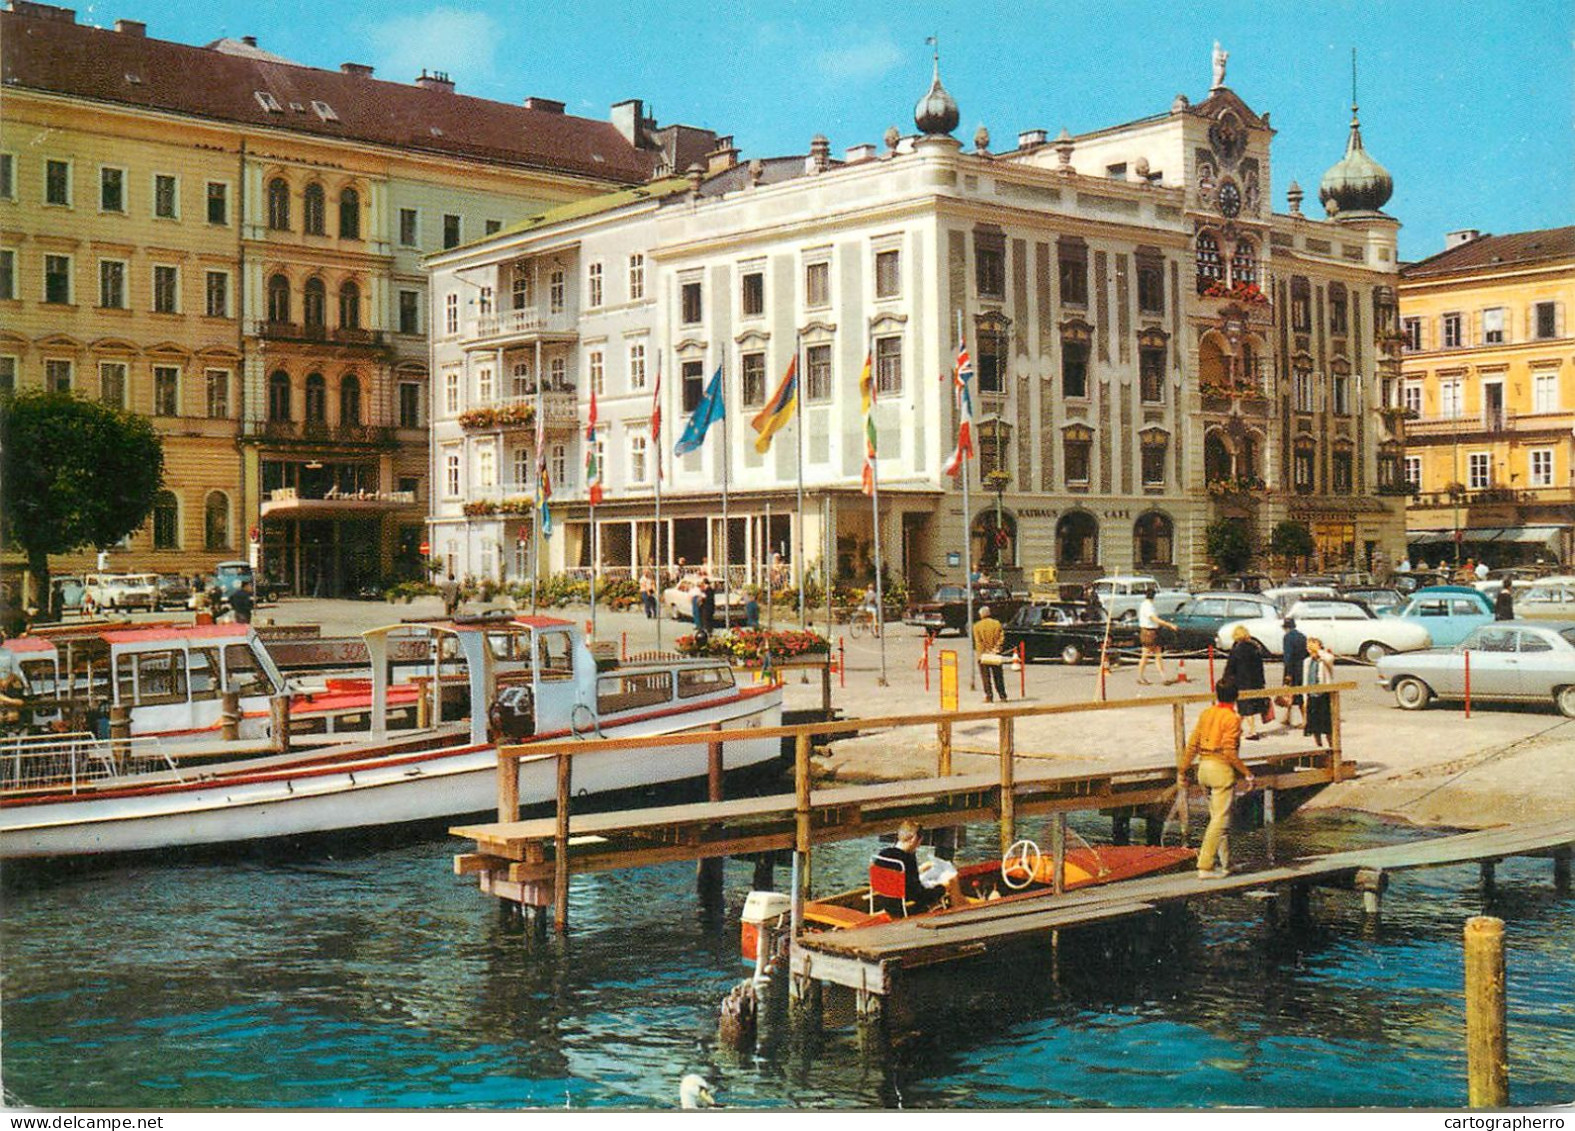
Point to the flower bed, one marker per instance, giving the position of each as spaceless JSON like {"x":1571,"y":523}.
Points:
{"x":748,"y":646}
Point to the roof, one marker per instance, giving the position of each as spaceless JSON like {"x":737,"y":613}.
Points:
{"x":66,"y":58}
{"x":592,"y":206}
{"x":179,"y":632}
{"x":1494,"y":252}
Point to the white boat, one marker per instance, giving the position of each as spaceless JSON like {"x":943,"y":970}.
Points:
{"x":539,"y":669}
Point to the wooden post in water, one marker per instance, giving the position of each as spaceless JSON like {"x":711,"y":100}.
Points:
{"x":1058,"y":853}
{"x":708,"y":873}
{"x":825,"y":684}
{"x":1487,"y":1052}
{"x":120,"y":733}
{"x":560,"y":864}
{"x":230,"y":715}
{"x":801,"y":822}
{"x":1334,"y":729}
{"x":1178,"y":727}
{"x":508,"y":787}
{"x":943,"y":754}
{"x":1008,"y":791}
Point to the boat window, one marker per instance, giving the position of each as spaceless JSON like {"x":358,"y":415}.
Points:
{"x":626,"y":692}
{"x":555,"y":656}
{"x":242,"y":672}
{"x":1533,"y":642}
{"x":509,"y":645}
{"x":702,"y":681}
{"x":161,"y":677}
{"x":203,"y":673}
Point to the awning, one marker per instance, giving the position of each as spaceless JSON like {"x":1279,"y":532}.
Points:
{"x":1531,"y":535}
{"x":1438,"y":537}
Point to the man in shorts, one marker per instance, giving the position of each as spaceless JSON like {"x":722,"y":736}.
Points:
{"x":1149,"y":624}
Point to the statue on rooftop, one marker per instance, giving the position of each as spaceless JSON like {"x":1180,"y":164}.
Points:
{"x":1220,"y":57}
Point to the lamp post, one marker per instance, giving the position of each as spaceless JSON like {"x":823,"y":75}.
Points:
{"x":997,"y":481}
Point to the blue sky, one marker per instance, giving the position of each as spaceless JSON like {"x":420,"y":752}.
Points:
{"x":1468,"y":104}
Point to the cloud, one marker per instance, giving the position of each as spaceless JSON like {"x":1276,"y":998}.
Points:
{"x":859,"y":61}
{"x":440,"y":39}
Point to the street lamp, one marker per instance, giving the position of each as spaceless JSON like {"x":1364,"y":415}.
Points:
{"x":997,"y":481}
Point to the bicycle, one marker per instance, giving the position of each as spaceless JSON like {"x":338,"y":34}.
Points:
{"x":861,"y":621}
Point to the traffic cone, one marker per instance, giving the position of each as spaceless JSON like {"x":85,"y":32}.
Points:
{"x":1181,"y":674}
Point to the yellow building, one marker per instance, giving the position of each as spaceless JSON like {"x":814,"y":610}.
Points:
{"x":231,"y":244}
{"x":1488,"y":382}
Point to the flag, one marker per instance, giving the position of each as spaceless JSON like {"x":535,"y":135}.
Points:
{"x":867,"y":396}
{"x":593,"y":467}
{"x":964,"y":374}
{"x":543,"y":480}
{"x":706,"y":413}
{"x":779,"y":409}
{"x":656,"y":416}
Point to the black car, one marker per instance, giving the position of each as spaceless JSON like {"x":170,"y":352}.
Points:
{"x":1068,"y":631}
{"x":1199,"y":620}
{"x":948,"y":609}
{"x":174,"y":591}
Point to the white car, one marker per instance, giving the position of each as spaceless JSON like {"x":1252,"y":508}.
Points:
{"x":1552,"y":598}
{"x":679,"y":600}
{"x":122,"y":590}
{"x":1345,"y":627}
{"x":1120,"y":596}
{"x":1287,"y":595}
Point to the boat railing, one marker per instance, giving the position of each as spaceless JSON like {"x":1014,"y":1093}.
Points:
{"x":76,"y":759}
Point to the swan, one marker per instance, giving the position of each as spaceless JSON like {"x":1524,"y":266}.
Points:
{"x":695,"y":1092}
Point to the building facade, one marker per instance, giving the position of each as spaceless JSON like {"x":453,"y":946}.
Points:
{"x":1155,"y":350}
{"x":231,"y":244}
{"x":1488,"y":375}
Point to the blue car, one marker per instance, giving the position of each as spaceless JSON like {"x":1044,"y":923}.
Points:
{"x":1449,"y":612}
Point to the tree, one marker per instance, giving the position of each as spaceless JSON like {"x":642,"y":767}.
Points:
{"x":1228,"y":545}
{"x":1291,"y":539}
{"x":73,"y":473}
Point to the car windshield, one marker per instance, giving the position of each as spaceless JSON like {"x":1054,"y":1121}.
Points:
{"x":1330,"y":610}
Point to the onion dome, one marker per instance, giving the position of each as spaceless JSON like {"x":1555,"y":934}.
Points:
{"x":936,"y":114}
{"x":1356,"y":183}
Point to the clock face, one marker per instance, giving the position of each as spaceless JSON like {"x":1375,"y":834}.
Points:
{"x":1230,"y":199}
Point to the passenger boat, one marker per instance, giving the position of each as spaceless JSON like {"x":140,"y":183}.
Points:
{"x":81,"y":795}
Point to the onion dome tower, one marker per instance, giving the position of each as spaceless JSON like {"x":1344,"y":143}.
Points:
{"x":936,"y":114}
{"x":1356,"y":183}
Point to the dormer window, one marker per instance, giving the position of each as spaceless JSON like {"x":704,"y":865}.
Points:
{"x":268,"y":102}
{"x":325,"y":111}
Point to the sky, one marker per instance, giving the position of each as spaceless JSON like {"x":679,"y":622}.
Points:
{"x":1469,"y":105}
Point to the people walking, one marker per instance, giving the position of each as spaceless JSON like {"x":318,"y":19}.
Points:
{"x":706,"y":610}
{"x":1504,"y":603}
{"x":1215,"y":746}
{"x":648,"y":594}
{"x":989,"y":643}
{"x":1319,"y":668}
{"x":241,"y":603}
{"x":1244,"y":668}
{"x":450,"y":591}
{"x":1295,"y":655}
{"x":1149,"y":624}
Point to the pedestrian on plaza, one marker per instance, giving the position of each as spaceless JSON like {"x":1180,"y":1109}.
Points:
{"x":1244,"y":668}
{"x":1215,"y":746}
{"x":1482,"y":571}
{"x":1319,"y":668}
{"x":1295,"y":656}
{"x":989,"y":645}
{"x":450,"y":592}
{"x":1504,"y":603}
{"x":751,"y":609}
{"x":241,"y":603}
{"x":1149,"y":624}
{"x":648,"y":595}
{"x":706,"y":607}
{"x":1405,"y":566}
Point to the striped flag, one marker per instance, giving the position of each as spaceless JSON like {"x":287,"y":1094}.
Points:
{"x":867,"y":396}
{"x":593,"y":466}
{"x":656,"y":417}
{"x":779,"y":409}
{"x":962,"y":375}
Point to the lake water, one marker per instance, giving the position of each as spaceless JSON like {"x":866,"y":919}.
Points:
{"x":378,"y":979}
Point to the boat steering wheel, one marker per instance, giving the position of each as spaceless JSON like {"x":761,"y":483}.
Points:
{"x":1020,"y":864}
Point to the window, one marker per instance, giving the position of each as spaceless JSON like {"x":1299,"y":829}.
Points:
{"x":316,"y":399}
{"x":1302,"y":389}
{"x":593,"y":285}
{"x":216,"y":521}
{"x":1411,"y":398}
{"x":278,"y":299}
{"x":409,"y":312}
{"x":278,"y":205}
{"x":691,"y":307}
{"x":1074,"y":369}
{"x":524,"y":462}
{"x":1302,"y":468}
{"x":1210,"y":267}
{"x":1544,"y":392}
{"x":693,"y":384}
{"x":166,"y":390}
{"x":268,"y":102}
{"x":493,"y":227}
{"x":1493,"y":326}
{"x":486,"y":467}
{"x":451,"y":314}
{"x":166,"y":196}
{"x":1154,"y":536}
{"x":1339,"y":319}
{"x":817,"y":284}
{"x":1450,"y":335}
{"x":410,"y":404}
{"x":7,"y":274}
{"x":409,"y":228}
{"x":1151,"y":287}
{"x":523,"y":386}
{"x":57,"y":279}
{"x":636,"y":365}
{"x":753,"y":368}
{"x":1153,"y":460}
{"x":1340,"y":472}
{"x":1544,"y":318}
{"x":520,"y":288}
{"x":1413,"y":472}
{"x":1451,"y":400}
{"x":989,"y":270}
{"x":1341,"y":384}
{"x":555,"y":291}
{"x":217,"y":388}
{"x":556,"y":376}
{"x":817,"y":376}
{"x":888,"y":366}
{"x":313,"y":208}
{"x":639,"y":465}
{"x":1540,"y":465}
{"x":112,"y":284}
{"x":451,"y":475}
{"x":451,"y":392}
{"x":1151,"y":374}
{"x":991,"y":344}
{"x":752,"y":298}
{"x":349,"y":214}
{"x":1301,"y":305}
{"x":166,"y":290}
{"x":1411,"y":331}
{"x":1074,"y":275}
{"x":112,"y":383}
{"x":57,"y":183}
{"x":450,"y":230}
{"x":1077,"y":447}
{"x":350,"y":306}
{"x":218,"y":203}
{"x":7,"y":374}
{"x":314,"y":303}
{"x":888,"y":274}
{"x":350,"y":401}
{"x":58,"y":375}
{"x":560,"y":464}
{"x":484,"y":386}
{"x":218,"y":294}
{"x":636,"y":276}
{"x":112,"y":190}
{"x":7,"y":176}
{"x":1479,"y":470}
{"x":166,"y":524}
{"x":596,"y":365}
{"x":279,"y":395}
{"x":1244,"y":264}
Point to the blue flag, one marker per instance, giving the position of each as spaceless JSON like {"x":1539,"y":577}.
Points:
{"x":706,"y":413}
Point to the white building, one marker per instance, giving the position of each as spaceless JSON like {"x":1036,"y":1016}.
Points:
{"x":1155,"y":350}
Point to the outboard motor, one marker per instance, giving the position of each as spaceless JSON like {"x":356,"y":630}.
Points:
{"x":512,"y":715}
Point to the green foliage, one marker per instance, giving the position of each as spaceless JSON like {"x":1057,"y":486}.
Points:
{"x":1228,"y":545}
{"x":1291,"y":539}
{"x":408,"y":591}
{"x":748,"y":646}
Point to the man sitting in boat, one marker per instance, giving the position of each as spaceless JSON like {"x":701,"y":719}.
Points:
{"x":925,"y":883}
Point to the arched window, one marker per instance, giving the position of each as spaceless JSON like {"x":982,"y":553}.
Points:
{"x":216,"y":521}
{"x":314,"y":301}
{"x":1211,"y":269}
{"x":350,"y":306}
{"x":166,"y":521}
{"x":1077,"y":539}
{"x":316,"y":398}
{"x":278,"y":299}
{"x":1214,"y":365}
{"x":279,"y":205}
{"x":994,"y":546}
{"x":1244,"y":264}
{"x":349,"y":215}
{"x":1152,"y":534}
{"x":350,"y":400}
{"x":312,"y":210}
{"x":278,"y":395}
{"x":1217,"y":464}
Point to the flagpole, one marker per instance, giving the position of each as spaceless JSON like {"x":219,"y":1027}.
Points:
{"x":973,"y":656}
{"x":798,"y":548}
{"x":590,"y":495}
{"x":880,"y":596}
{"x":727,"y":580}
{"x":656,"y":446}
{"x":541,"y":469}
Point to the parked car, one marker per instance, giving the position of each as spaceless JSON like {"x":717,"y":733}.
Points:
{"x":122,"y":590}
{"x":174,"y":591}
{"x":1552,"y":598}
{"x":1349,"y":628}
{"x":1199,"y":620}
{"x":1285,"y":596}
{"x":1069,"y":631}
{"x":1418,"y":579}
{"x":1448,"y":612}
{"x":68,"y":593}
{"x":947,"y":609}
{"x":679,"y":600}
{"x":1513,"y":661}
{"x":1377,"y":598}
{"x":227,"y":576}
{"x":1120,"y":596}
{"x":1241,"y":583}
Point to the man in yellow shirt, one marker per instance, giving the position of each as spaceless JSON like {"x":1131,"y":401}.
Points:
{"x":1214,"y":745}
{"x":989,"y":642}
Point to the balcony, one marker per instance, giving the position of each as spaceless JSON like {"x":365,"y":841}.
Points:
{"x":519,"y":325}
{"x":318,"y":334}
{"x":1495,"y":423}
{"x":319,"y":434}
{"x":560,"y":410}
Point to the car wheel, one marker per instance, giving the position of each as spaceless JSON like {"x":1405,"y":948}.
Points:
{"x":1071,"y":654}
{"x":1566,"y":701}
{"x":1374,"y":650}
{"x":1412,"y":694}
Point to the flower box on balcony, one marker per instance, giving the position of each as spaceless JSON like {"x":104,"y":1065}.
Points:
{"x":1248,"y":293}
